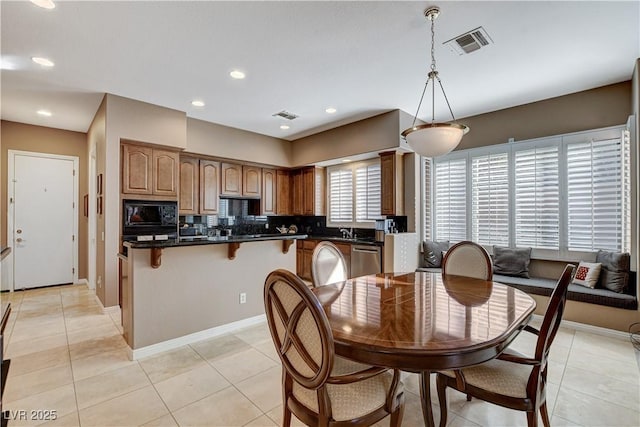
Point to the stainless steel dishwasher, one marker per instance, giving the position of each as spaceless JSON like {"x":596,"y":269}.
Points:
{"x":365,"y":259}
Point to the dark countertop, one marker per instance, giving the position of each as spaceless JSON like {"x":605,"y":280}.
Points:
{"x":356,"y":241}
{"x":195,"y":241}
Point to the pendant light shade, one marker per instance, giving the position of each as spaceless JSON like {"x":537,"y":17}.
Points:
{"x":434,"y":139}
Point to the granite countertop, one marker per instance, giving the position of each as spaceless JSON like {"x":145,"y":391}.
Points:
{"x":353,"y":241}
{"x":196,"y":241}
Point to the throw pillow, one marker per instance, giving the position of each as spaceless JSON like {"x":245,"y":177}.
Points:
{"x":432,"y":253}
{"x":615,"y":270}
{"x":587,"y":274}
{"x":511,"y":262}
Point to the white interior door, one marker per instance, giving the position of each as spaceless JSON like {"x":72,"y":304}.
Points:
{"x":44,"y":219}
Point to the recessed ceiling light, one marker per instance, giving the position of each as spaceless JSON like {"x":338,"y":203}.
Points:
{"x":346,"y":160}
{"x":236,"y":74}
{"x":42,"y":61}
{"x":197,"y":103}
{"x":45,"y":4}
{"x":44,"y":113}
{"x":284,"y":127}
{"x":330,"y":110}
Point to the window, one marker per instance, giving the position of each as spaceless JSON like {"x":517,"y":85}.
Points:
{"x":426,"y":206}
{"x":559,"y":195}
{"x":354,"y":194}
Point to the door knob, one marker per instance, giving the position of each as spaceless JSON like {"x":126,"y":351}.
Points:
{"x":19,"y":231}
{"x":19,"y":239}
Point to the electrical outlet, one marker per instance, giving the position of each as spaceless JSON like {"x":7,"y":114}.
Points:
{"x":243,"y":298}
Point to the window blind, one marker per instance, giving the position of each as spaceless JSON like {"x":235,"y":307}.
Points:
{"x":451,"y":200}
{"x":426,"y":207}
{"x":594,"y":191}
{"x":490,"y":199}
{"x":341,"y":195}
{"x":368,"y":192}
{"x":537,"y":198}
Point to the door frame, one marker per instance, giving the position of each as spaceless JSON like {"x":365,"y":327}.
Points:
{"x":11,"y":155}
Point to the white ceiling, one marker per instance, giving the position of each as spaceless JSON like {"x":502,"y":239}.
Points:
{"x":362,"y":58}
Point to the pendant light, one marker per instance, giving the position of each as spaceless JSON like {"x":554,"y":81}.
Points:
{"x":434,"y":139}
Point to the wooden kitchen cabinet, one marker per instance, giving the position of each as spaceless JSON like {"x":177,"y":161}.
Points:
{"x":231,"y":179}
{"x":308,"y":191}
{"x":209,"y":186}
{"x":268,"y":201}
{"x":391,"y":174}
{"x":304,"y":256}
{"x":251,"y":181}
{"x":150,"y":171}
{"x":297,"y":191}
{"x":189,"y":198}
{"x":283,"y":192}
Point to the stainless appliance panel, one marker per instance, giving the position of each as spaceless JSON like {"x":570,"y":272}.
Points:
{"x":365,"y":260}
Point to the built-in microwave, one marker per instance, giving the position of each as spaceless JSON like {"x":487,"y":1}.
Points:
{"x":146,"y":217}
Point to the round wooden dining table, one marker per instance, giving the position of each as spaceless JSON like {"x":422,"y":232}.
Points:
{"x":423,"y":322}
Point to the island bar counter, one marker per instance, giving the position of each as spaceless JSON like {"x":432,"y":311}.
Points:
{"x":195,"y":292}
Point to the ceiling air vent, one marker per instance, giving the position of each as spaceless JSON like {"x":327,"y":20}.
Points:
{"x":469,"y":42}
{"x":286,"y":115}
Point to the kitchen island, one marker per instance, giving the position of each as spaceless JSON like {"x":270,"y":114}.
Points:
{"x":179,"y":291}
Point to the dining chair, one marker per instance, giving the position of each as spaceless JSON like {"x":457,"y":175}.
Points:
{"x":468,"y":259}
{"x":513,"y":380}
{"x":319,"y":387}
{"x":327,"y":265}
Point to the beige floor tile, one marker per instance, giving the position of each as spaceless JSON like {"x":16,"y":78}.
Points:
{"x":276,"y":415}
{"x":164,"y":421}
{"x":555,"y":371}
{"x":254,"y":334}
{"x":458,"y":421}
{"x":609,"y":347}
{"x":221,"y":346}
{"x":21,"y":348}
{"x":87,"y":334}
{"x":88,"y":322}
{"x":171,"y":363}
{"x":93,"y":390}
{"x":191,"y":386}
{"x":243,"y":365}
{"x":37,"y":330}
{"x":413,"y":413}
{"x":132,"y":409}
{"x":99,"y":363}
{"x":561,"y":422}
{"x":62,"y":400}
{"x":490,"y":415}
{"x":227,"y":408}
{"x":262,"y":421}
{"x":69,"y":420}
{"x":264,"y":389}
{"x":96,"y":345}
{"x":622,"y":371}
{"x":40,"y":360}
{"x":602,"y":387}
{"x":586,"y":410}
{"x":269,"y":349}
{"x":36,"y":382}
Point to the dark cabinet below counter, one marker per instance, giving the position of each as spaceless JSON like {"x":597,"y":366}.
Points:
{"x":304,"y":254}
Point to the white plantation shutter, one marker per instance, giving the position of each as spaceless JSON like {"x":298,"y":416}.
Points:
{"x":426,"y":208}
{"x":490,"y":199}
{"x":626,"y":191}
{"x":451,"y":200}
{"x":594,"y":193}
{"x":537,"y":198}
{"x":341,"y":195}
{"x":368,"y":192}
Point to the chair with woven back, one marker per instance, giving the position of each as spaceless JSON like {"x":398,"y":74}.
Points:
{"x":513,"y":380}
{"x":327,"y":264}
{"x":468,"y":259}
{"x":319,"y":387}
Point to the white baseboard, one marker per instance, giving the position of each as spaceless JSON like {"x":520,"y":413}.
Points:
{"x":150,"y":350}
{"x":82,"y":282}
{"x":114,"y":309}
{"x":590,"y":328}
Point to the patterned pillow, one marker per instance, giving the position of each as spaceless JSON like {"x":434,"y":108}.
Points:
{"x":432,"y":253}
{"x":587,"y":274}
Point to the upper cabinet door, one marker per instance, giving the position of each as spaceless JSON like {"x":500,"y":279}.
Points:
{"x":283,"y":192}
{"x":231,"y":179}
{"x":209,"y":186}
{"x":189,"y":186}
{"x":251,"y":181}
{"x":165,"y":173}
{"x":136,"y":169}
{"x":268,"y":200}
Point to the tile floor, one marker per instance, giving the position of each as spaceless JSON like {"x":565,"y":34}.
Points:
{"x":69,"y":357}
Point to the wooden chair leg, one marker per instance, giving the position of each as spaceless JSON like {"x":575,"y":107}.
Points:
{"x":442,"y":399}
{"x":544,"y":414}
{"x":286,"y":415}
{"x":532,"y":418}
{"x":468,"y":397}
{"x":396,"y":416}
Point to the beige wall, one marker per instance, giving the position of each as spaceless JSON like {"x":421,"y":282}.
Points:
{"x":591,"y":109}
{"x":223,"y":141}
{"x":19,"y":136}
